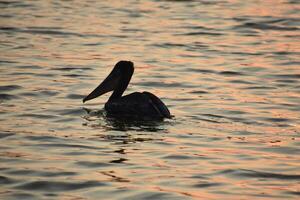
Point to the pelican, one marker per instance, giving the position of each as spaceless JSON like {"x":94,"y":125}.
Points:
{"x":144,"y":105}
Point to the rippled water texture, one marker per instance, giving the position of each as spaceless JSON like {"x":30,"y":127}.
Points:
{"x":229,"y":71}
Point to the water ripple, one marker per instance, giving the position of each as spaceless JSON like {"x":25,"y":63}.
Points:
{"x":244,"y":173}
{"x":5,"y":180}
{"x":10,"y":87}
{"x":265,"y":26}
{"x":75,"y":96}
{"x":40,"y":173}
{"x":4,"y":96}
{"x":228,"y":71}
{"x":76,"y":146}
{"x":200,"y":33}
{"x":207,"y":184}
{"x":56,"y":186}
{"x":5,"y":134}
{"x":43,"y":31}
{"x":93,"y":164}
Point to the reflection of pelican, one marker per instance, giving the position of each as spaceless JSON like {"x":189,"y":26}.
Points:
{"x":141,"y":105}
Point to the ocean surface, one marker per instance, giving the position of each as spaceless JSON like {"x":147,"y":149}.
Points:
{"x":229,"y":71}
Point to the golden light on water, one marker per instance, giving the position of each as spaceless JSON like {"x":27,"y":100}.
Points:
{"x":227,"y":70}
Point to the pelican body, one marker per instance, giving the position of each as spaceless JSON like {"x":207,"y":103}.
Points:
{"x":144,"y":105}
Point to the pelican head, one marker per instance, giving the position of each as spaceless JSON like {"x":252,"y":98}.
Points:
{"x":116,"y":81}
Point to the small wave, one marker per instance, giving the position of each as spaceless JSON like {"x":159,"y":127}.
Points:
{"x":133,"y":30}
{"x":5,"y":180}
{"x":58,"y":186}
{"x":22,"y":195}
{"x":7,"y":61}
{"x":48,"y":93}
{"x":294,"y":193}
{"x":199,"y":92}
{"x":264,"y":26}
{"x":74,"y":75}
{"x":245,"y":173}
{"x":7,"y":96}
{"x":231,"y":73}
{"x":169,"y":45}
{"x":154,"y":195}
{"x":75,"y":96}
{"x":50,"y":32}
{"x":10,"y":87}
{"x":93,"y":164}
{"x":71,"y":68}
{"x":241,"y":82}
{"x":260,"y":88}
{"x":44,"y":31}
{"x":45,"y":75}
{"x":15,"y":4}
{"x":235,"y":112}
{"x":197,"y":27}
{"x":27,"y":172}
{"x":73,"y":112}
{"x":93,"y":44}
{"x":75,"y":146}
{"x":29,"y":94}
{"x":288,"y":76}
{"x":224,"y":73}
{"x":162,"y":84}
{"x":207,"y":184}
{"x":204,"y":119}
{"x":204,"y":71}
{"x":201,"y":33}
{"x":23,"y":73}
{"x":213,"y":115}
{"x":282,"y":150}
{"x":119,"y":161}
{"x":178,"y":157}
{"x":213,"y":118}
{"x":39,"y":116}
{"x":5,"y":134}
{"x":29,"y":67}
{"x":43,"y":138}
{"x":287,"y":81}
{"x":290,"y":63}
{"x":246,"y":53}
{"x":276,"y":119}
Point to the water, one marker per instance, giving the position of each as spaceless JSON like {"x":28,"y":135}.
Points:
{"x":228,"y":70}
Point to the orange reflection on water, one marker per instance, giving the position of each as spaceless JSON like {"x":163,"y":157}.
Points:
{"x":227,"y":70}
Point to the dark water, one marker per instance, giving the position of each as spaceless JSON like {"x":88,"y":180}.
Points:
{"x":228,"y":70}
